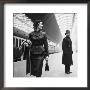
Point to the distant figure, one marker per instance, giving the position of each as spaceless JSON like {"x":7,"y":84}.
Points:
{"x":39,"y":49}
{"x":67,"y":52}
{"x":25,"y":49}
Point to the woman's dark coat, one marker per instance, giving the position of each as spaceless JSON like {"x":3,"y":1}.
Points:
{"x":67,"y":51}
{"x":38,"y":51}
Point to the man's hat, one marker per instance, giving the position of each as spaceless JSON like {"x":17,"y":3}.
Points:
{"x":67,"y":31}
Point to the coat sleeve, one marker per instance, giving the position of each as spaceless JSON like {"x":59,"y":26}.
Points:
{"x":71,"y":46}
{"x":46,"y":45}
{"x":63,"y":45}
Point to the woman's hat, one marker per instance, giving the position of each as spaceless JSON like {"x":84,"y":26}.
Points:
{"x":67,"y":31}
{"x":36,"y":23}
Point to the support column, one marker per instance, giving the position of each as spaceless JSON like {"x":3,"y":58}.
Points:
{"x":15,"y":41}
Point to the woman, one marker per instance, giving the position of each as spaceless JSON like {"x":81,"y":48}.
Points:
{"x":39,"y":49}
{"x":67,"y":52}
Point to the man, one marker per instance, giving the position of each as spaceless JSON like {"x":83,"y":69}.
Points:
{"x":67,"y":52}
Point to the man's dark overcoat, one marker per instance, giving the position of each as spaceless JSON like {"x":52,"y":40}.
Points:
{"x":67,"y":51}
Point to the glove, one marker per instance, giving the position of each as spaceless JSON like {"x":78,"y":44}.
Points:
{"x":72,"y":52}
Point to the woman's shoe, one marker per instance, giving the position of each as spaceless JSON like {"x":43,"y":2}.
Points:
{"x":66,"y":72}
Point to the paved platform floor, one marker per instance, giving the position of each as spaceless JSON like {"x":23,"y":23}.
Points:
{"x":56,"y":67}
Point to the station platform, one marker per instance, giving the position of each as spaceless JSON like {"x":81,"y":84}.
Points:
{"x":56,"y":68}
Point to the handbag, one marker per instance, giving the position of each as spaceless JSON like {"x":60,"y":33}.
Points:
{"x":46,"y":66}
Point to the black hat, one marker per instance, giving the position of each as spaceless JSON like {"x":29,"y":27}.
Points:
{"x":36,"y":23}
{"x":67,"y":31}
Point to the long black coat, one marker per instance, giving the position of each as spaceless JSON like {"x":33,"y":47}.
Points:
{"x":67,"y":51}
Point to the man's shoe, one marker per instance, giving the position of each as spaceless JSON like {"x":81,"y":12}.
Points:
{"x":70,"y":72}
{"x":67,"y":72}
